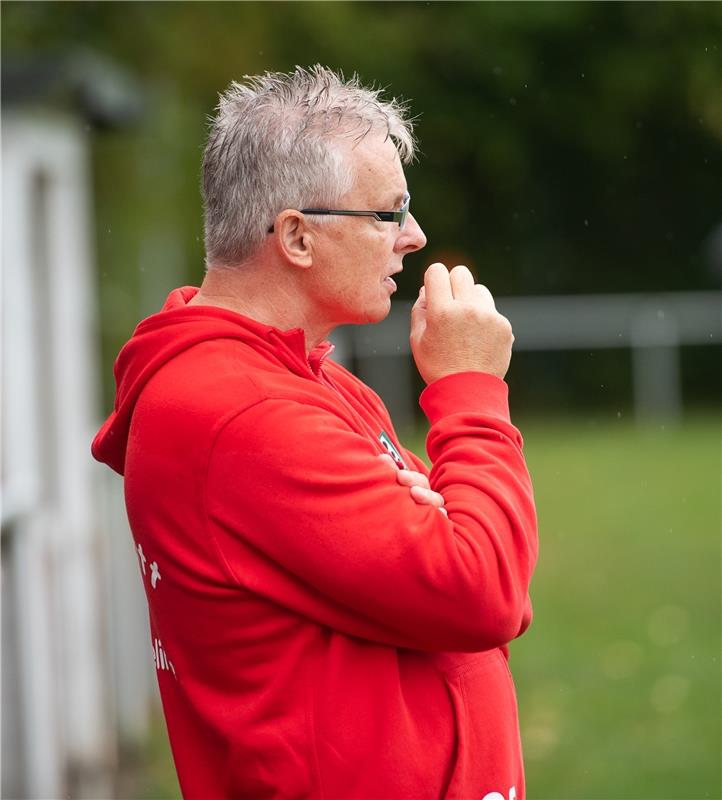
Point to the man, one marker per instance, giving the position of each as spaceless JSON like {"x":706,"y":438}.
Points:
{"x":328,"y":618}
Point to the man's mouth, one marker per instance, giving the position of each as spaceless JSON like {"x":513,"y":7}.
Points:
{"x":390,"y":282}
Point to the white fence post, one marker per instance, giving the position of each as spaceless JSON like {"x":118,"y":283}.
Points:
{"x":654,"y":337}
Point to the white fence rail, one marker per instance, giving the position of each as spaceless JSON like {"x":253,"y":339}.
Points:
{"x":653,"y":326}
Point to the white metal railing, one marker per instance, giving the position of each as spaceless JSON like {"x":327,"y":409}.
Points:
{"x":653,"y":325}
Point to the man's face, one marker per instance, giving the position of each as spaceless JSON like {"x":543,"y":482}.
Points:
{"x":356,"y":256}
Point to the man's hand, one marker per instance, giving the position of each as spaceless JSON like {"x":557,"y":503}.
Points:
{"x":455,"y":326}
{"x":418,"y":484}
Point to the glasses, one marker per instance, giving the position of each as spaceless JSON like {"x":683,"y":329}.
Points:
{"x":382,"y":216}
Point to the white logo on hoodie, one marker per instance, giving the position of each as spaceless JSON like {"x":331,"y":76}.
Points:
{"x":500,"y":796}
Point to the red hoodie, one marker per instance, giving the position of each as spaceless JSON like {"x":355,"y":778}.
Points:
{"x":316,"y":632}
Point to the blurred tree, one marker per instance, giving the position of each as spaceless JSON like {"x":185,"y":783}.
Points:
{"x":566,"y":147}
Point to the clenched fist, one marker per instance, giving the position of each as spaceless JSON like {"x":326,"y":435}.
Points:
{"x":455,"y":326}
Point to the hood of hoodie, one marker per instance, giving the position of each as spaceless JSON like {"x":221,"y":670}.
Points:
{"x":173,"y":330}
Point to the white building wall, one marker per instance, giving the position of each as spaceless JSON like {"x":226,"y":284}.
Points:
{"x":54,"y":568}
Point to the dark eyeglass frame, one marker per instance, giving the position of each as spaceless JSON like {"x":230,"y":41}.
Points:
{"x":382,"y":216}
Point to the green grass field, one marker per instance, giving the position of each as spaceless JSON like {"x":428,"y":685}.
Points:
{"x":619,"y":677}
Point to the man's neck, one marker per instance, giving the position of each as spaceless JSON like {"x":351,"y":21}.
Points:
{"x":263,"y":296}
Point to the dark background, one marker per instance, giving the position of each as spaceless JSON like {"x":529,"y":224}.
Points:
{"x":565,"y":147}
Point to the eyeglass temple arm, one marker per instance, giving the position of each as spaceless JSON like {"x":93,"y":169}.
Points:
{"x":339,"y":213}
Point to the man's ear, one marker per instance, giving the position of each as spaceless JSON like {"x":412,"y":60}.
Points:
{"x":293,"y":238}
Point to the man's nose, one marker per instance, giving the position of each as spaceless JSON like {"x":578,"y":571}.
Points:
{"x":411,"y":237}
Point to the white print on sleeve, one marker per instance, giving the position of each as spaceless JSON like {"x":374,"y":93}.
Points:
{"x":161,"y":658}
{"x":141,"y":557}
{"x":155,"y":575}
{"x":500,"y":796}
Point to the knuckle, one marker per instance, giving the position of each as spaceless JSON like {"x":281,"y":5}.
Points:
{"x":443,"y":315}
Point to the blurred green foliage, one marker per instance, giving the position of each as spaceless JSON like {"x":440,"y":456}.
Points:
{"x":566,"y":147}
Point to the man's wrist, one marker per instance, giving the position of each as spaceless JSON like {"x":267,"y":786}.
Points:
{"x":465,"y":391}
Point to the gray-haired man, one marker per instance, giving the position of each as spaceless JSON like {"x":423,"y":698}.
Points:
{"x":332,"y":619}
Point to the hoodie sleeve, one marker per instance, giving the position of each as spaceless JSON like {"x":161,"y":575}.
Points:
{"x":304,"y":513}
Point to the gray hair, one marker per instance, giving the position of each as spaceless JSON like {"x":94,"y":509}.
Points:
{"x":276,"y":142}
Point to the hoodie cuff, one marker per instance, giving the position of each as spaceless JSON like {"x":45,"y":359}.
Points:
{"x":464,"y":392}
